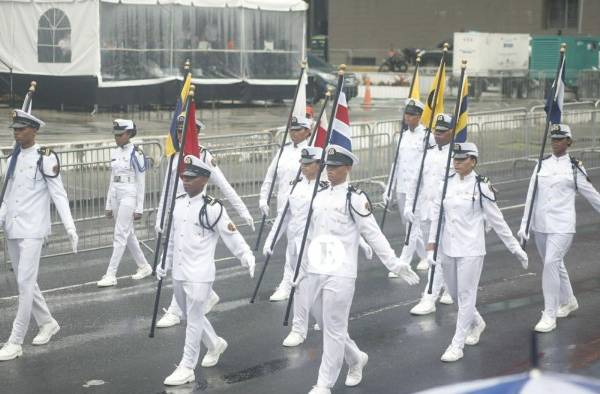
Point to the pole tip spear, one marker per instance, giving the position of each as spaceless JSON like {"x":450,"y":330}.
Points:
{"x":328,"y":93}
{"x":446,"y":46}
{"x":563,"y":47}
{"x":192,"y":90}
{"x":418,"y":58}
{"x":303,"y":64}
{"x":32,"y":86}
{"x":187,"y":65}
{"x":464,"y":64}
{"x":342,"y":69}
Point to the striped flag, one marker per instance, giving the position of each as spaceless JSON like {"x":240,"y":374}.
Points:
{"x":439,"y":107}
{"x":321,"y":132}
{"x":341,"y":131}
{"x":460,"y":134}
{"x":172,"y":142}
{"x":555,"y":104}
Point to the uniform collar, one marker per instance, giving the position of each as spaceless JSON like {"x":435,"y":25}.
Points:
{"x":32,"y":148}
{"x":126,"y":146}
{"x":561,"y":158}
{"x":197,"y":197}
{"x":341,"y":186}
{"x":300,"y":144}
{"x":443,"y":147}
{"x":468,"y":177}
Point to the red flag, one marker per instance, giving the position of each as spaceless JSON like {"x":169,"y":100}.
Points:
{"x":190,"y":144}
{"x":321,"y":132}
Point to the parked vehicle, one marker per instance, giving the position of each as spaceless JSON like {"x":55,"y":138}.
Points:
{"x":322,"y":75}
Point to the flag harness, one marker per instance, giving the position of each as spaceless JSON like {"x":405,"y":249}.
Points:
{"x":45,"y":151}
{"x":350,"y":208}
{"x":135,"y":163}
{"x":203,"y":214}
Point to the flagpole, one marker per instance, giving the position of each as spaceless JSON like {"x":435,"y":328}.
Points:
{"x":17,"y":148}
{"x":287,"y":205}
{"x":188,"y":102}
{"x":186,"y":67}
{"x":340,"y":83}
{"x":426,"y":141}
{"x":287,"y":130}
{"x":563,"y":48}
{"x":459,"y":101}
{"x":391,"y":177}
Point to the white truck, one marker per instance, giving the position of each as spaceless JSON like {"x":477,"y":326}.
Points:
{"x":493,"y":59}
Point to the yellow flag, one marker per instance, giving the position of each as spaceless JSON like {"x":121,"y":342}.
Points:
{"x":415,"y":93}
{"x":428,"y":112}
{"x":169,"y":145}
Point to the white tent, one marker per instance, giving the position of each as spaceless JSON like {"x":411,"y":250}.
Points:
{"x":142,"y":42}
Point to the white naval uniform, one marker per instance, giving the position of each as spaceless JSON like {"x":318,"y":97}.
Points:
{"x":462,"y":243}
{"x":331,"y":278}
{"x":553,"y":223}
{"x":434,"y":171}
{"x":289,"y":163}
{"x":191,"y":257}
{"x":293,"y":226}
{"x":218,"y":178}
{"x":125,"y":197}
{"x":408,"y":164}
{"x":25,"y":215}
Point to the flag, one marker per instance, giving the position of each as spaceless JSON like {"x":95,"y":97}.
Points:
{"x":460,"y":133}
{"x":321,"y":132}
{"x":172,"y":142}
{"x":428,"y":114}
{"x":415,"y":92}
{"x":341,"y":131}
{"x":300,"y":104}
{"x":190,"y":144}
{"x":554,"y":104}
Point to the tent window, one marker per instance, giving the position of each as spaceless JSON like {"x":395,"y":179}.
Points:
{"x":54,"y":37}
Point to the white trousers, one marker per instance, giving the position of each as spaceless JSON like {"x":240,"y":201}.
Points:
{"x":416,"y":243}
{"x":438,"y":283}
{"x":462,"y":276}
{"x":331,"y":299}
{"x":191,"y":296}
{"x":123,"y":204}
{"x":401,"y":201}
{"x":25,"y":260}
{"x":555,"y":278}
{"x":289,"y":266}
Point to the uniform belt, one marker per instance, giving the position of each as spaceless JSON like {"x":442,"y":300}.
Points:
{"x":124,"y":179}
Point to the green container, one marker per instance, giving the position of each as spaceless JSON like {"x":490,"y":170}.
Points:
{"x":583,"y":53}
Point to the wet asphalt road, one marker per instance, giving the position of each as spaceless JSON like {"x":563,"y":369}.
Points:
{"x":104,"y":337}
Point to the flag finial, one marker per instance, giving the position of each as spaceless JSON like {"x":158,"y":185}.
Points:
{"x":192,"y":90}
{"x":446,"y":46}
{"x":464,"y":64}
{"x":342,"y":69}
{"x":563,"y":47}
{"x":303,"y":64}
{"x":32,"y":86}
{"x":187,"y":65}
{"x":328,"y":93}
{"x":418,"y":58}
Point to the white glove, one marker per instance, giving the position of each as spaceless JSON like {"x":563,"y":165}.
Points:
{"x":267,"y":251}
{"x":385,"y":198}
{"x":249,"y":221}
{"x":157,"y":228}
{"x":522,"y":257}
{"x":264,"y":207}
{"x":488,"y":227}
{"x":405,"y":272}
{"x":523,"y":236}
{"x":248,"y":262}
{"x":74,"y":239}
{"x":367,"y":250}
{"x":298,"y":279}
{"x":409,"y":214}
{"x":430,"y":258}
{"x":161,"y":272}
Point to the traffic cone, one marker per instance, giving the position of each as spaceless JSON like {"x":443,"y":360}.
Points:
{"x":367,"y":98}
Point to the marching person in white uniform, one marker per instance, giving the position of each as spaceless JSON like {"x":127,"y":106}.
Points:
{"x":293,"y":224}
{"x":407,"y":169}
{"x":553,"y":222}
{"x":469,"y":203}
{"x":341,"y":214}
{"x":173,"y":314}
{"x":25,"y":217}
{"x":433,"y":173}
{"x":198,"y":223}
{"x":125,"y":201}
{"x":286,"y":173}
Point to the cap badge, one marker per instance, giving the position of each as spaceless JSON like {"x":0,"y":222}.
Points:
{"x":187,"y":160}
{"x":331,"y":151}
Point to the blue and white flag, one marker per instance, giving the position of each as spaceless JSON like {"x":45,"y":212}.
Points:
{"x":554,"y":103}
{"x":341,"y":132}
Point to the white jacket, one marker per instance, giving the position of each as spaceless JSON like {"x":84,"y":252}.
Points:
{"x":131,"y":180}
{"x":409,"y":158}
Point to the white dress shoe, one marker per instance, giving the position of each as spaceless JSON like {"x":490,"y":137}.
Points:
{"x":211,"y":358}
{"x":142,"y":273}
{"x":293,"y":339}
{"x":392,"y":275}
{"x":546,"y":323}
{"x":424,"y":307}
{"x":422,"y":265}
{"x":107,"y":281}
{"x":446,"y":299}
{"x":355,"y":372}
{"x":180,"y":376}
{"x":566,"y":309}
{"x":213,"y":299}
{"x":168,"y":320}
{"x":475,"y":333}
{"x":280,"y":294}
{"x":320,"y":390}
{"x":10,"y":351}
{"x":453,"y":353}
{"x":46,"y":332}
